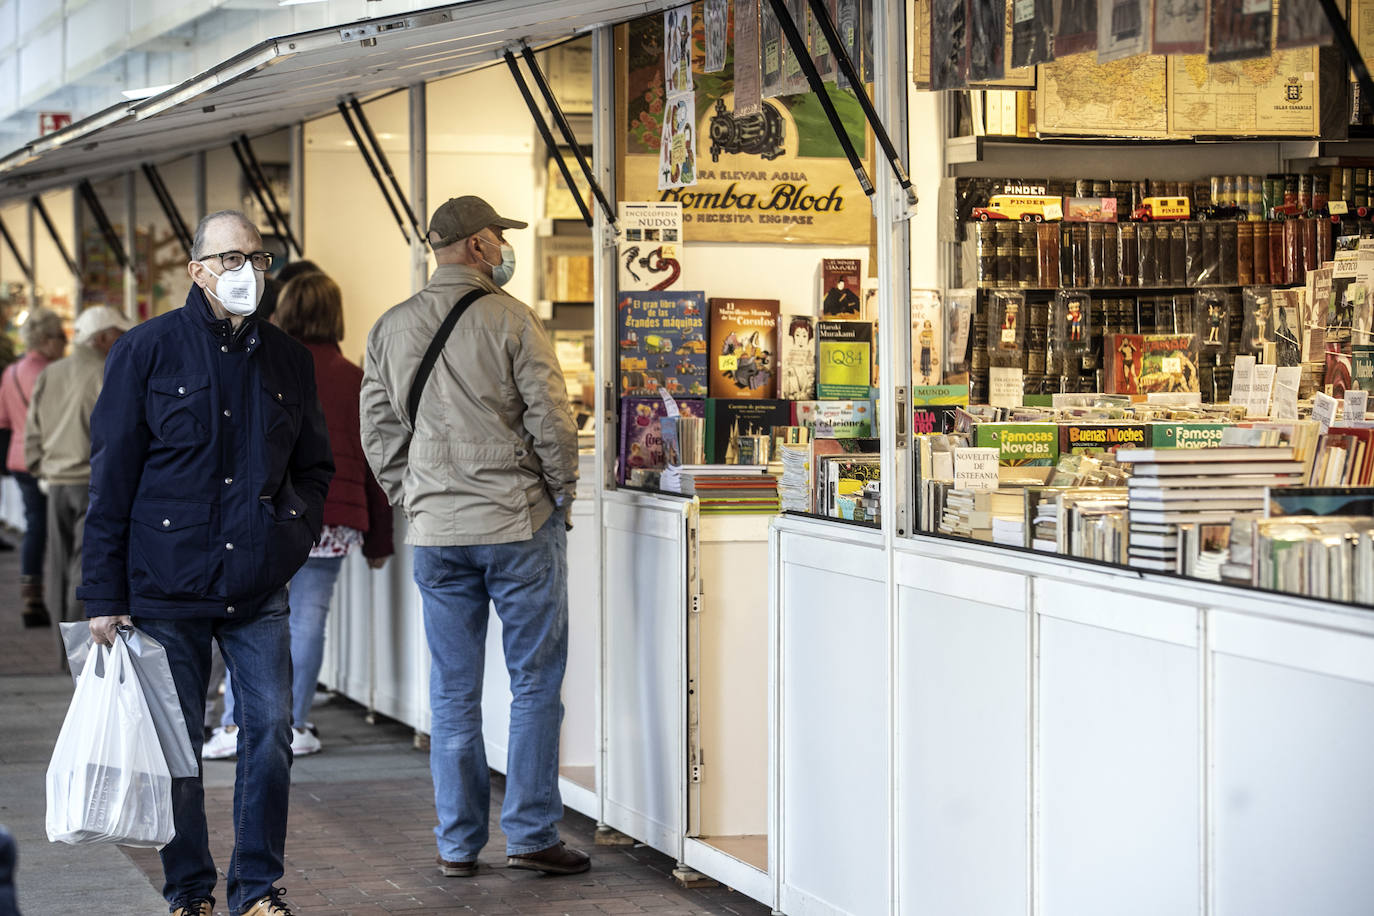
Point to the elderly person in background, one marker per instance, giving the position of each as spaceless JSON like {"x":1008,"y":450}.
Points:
{"x":356,"y":512}
{"x":57,"y":447}
{"x":46,"y":341}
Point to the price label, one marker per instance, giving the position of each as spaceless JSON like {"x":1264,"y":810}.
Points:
{"x":1172,"y":365}
{"x":975,"y":468}
{"x":1054,"y":212}
{"x":1324,"y":409}
{"x":727,"y":363}
{"x":1355,"y":403}
{"x":1006,"y":388}
{"x":1338,"y":207}
{"x":669,"y":403}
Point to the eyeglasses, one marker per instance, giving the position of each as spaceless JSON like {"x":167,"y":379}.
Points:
{"x":233,"y":260}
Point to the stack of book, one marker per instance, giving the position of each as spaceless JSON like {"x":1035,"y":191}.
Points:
{"x":1316,"y":556}
{"x":794,"y":486}
{"x":1345,"y":457}
{"x":725,"y":488}
{"x":1201,"y":487}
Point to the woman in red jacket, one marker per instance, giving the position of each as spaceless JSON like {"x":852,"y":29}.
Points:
{"x":356,"y":512}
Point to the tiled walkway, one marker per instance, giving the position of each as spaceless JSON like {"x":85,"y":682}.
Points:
{"x":360,"y":840}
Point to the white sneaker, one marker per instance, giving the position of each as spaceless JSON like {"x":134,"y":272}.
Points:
{"x":223,"y":744}
{"x":302,"y":742}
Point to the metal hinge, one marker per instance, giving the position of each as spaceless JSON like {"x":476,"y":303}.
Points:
{"x":696,"y":604}
{"x":903,"y":395}
{"x":698,"y":767}
{"x":370,"y":30}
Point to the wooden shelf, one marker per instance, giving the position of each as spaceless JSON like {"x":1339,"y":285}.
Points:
{"x":962,"y":150}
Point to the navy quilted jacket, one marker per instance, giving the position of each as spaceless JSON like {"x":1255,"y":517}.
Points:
{"x":210,"y":461}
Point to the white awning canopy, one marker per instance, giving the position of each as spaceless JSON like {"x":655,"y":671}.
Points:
{"x":286,"y":80}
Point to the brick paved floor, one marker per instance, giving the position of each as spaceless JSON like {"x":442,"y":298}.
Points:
{"x":361,"y":819}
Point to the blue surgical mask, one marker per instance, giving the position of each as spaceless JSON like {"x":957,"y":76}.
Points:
{"x":502,"y":272}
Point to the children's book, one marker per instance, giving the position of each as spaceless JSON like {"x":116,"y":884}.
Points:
{"x":641,"y":432}
{"x":662,"y":339}
{"x":744,"y":348}
{"x":729,"y":419}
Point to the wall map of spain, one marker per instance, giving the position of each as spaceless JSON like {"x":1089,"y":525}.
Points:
{"x":1123,"y":98}
{"x":777,"y":174}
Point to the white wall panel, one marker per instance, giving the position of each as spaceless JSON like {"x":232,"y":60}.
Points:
{"x":96,"y":34}
{"x":40,"y":65}
{"x":35,"y":14}
{"x":963,"y":752}
{"x":834,"y":698}
{"x":9,"y":23}
{"x":1293,"y":793}
{"x":1120,"y":794}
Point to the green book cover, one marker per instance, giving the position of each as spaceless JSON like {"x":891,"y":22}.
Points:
{"x":1362,"y":366}
{"x":1186,"y":435}
{"x":844,"y":353}
{"x":1021,"y":444}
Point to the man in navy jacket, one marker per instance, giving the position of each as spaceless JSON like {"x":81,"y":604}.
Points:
{"x":209,"y":467}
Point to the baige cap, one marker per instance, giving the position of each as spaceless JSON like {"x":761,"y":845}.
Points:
{"x":459,"y":217}
{"x":96,"y":319}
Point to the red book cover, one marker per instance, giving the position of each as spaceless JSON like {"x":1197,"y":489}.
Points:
{"x":742,"y":359}
{"x":840,"y":286}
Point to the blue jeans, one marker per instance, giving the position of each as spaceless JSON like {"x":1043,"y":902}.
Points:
{"x":528,"y":583}
{"x":312,"y":588}
{"x":257,"y":651}
{"x":35,"y":524}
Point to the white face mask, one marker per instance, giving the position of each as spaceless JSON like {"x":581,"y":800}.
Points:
{"x":240,"y":290}
{"x":502,"y":272}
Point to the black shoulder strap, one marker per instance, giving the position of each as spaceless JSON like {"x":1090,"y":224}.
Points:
{"x":436,"y":346}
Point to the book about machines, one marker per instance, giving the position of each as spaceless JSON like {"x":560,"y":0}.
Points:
{"x":662,"y":339}
{"x":641,"y":432}
{"x":844,"y":354}
{"x":744,"y":348}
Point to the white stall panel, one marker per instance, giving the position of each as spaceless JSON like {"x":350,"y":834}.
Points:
{"x":1119,"y":800}
{"x":963,"y":752}
{"x":644,"y":657}
{"x":835,"y":810}
{"x":1294,"y":753}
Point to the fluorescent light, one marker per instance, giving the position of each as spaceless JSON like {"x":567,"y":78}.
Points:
{"x":298,"y":2}
{"x":147,"y":92}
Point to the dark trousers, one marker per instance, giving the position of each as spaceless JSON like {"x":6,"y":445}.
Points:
{"x":35,"y":525}
{"x":67,"y":505}
{"x":257,"y":651}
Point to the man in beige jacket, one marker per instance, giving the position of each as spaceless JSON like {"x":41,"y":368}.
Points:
{"x":481,"y":452}
{"x":57,"y":448}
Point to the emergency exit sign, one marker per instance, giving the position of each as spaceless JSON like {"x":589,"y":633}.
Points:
{"x":53,"y":121}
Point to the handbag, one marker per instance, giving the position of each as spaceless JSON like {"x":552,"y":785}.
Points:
{"x":436,"y":346}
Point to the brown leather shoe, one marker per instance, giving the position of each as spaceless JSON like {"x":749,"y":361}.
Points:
{"x":559,"y":859}
{"x":456,"y":869}
{"x":196,"y":908}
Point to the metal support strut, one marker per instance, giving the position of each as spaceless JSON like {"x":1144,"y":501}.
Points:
{"x":813,"y":78}
{"x":262,"y":190}
{"x":1341,"y":28}
{"x":846,"y":65}
{"x":372,"y":167}
{"x":169,"y":207}
{"x":386,"y":167}
{"x":561,"y":120}
{"x":56,"y":239}
{"x":548,"y":137}
{"x":14,"y":250}
{"x":102,"y":220}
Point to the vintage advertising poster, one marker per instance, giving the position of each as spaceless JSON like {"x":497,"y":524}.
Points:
{"x":677,"y":42}
{"x":1178,"y":27}
{"x":776,"y":176}
{"x":748,"y":86}
{"x":1124,"y":98}
{"x":716,"y":15}
{"x":1075,"y":27}
{"x":987,"y":31}
{"x":1274,"y":95}
{"x":1302,"y":23}
{"x":1238,"y":29}
{"x":677,"y":144}
{"x":744,"y":348}
{"x":649,"y":246}
{"x":1032,"y":41}
{"x":1123,"y":29}
{"x":840,"y":286}
{"x":662,"y":343}
{"x":798,"y":381}
{"x":948,"y":44}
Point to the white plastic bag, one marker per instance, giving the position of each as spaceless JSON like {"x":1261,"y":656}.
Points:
{"x":108,"y":781}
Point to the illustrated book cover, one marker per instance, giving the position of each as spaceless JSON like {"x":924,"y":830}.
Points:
{"x":662,"y":343}
{"x":744,"y":348}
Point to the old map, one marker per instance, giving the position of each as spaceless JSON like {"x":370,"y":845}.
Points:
{"x":1124,"y":98}
{"x":1268,"y":96}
